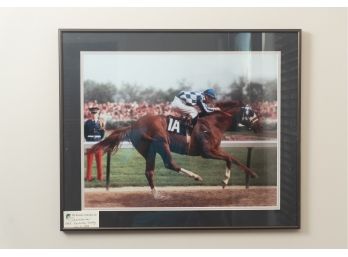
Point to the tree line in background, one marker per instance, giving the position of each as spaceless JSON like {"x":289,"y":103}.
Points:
{"x":240,"y":89}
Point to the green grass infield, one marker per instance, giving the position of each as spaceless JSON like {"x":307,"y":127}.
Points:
{"x":128,"y":169}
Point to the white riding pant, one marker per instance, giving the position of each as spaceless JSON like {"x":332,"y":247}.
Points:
{"x":183,"y":108}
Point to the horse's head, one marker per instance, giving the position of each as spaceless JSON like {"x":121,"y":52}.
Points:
{"x":242,"y":114}
{"x":249,"y":118}
{"x":246,"y":115}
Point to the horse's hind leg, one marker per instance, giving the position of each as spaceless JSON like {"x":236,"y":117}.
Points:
{"x":163,"y":149}
{"x":150,"y":173}
{"x":150,"y":168}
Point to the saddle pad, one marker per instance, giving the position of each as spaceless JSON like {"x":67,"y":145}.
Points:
{"x":176,"y":125}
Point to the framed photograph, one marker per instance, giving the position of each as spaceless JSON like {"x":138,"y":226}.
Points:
{"x":180,"y":129}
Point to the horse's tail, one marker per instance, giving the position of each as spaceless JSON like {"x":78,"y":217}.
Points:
{"x":112,"y":142}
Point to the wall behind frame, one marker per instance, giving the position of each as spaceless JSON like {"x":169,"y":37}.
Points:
{"x":29,"y":153}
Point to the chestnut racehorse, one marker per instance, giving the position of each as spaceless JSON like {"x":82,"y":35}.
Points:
{"x":149,"y":136}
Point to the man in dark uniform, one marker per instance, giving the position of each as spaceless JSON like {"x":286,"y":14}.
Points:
{"x":94,"y":132}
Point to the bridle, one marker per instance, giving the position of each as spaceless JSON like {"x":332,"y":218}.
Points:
{"x":248,"y":116}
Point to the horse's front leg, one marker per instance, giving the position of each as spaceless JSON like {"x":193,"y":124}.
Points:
{"x":227,"y":177}
{"x":220,"y":155}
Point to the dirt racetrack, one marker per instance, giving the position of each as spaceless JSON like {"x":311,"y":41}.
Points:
{"x":193,"y":196}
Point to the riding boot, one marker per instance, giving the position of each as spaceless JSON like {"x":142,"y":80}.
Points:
{"x":194,"y":121}
{"x":191,"y":125}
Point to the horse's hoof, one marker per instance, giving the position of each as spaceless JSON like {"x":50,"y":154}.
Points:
{"x":158,"y":196}
{"x":198,"y":178}
{"x":223,"y":185}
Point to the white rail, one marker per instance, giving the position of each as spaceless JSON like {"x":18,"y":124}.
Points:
{"x":260,"y":143}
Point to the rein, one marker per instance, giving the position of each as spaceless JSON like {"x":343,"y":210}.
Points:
{"x":225,"y":113}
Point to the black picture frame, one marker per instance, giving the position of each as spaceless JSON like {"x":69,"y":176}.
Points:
{"x":287,"y":41}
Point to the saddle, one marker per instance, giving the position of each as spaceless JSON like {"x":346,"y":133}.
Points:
{"x":180,"y":125}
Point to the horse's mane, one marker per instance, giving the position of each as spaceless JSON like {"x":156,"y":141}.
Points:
{"x":225,"y":105}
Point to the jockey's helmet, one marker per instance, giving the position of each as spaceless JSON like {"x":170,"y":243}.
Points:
{"x":210,"y":92}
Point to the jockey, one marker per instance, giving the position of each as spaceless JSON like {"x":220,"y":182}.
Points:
{"x":186,"y":102}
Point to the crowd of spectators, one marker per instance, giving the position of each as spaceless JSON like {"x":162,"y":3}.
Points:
{"x":266,"y":109}
{"x":111,"y":112}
